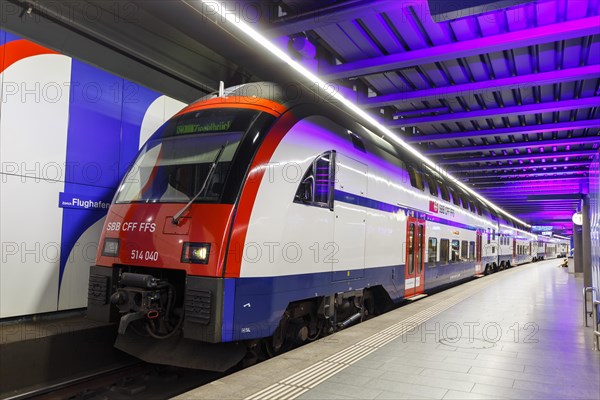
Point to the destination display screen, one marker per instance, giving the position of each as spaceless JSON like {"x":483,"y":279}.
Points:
{"x":211,"y":120}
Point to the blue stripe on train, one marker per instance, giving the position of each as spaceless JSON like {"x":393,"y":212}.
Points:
{"x":350,"y":198}
{"x":260,"y":302}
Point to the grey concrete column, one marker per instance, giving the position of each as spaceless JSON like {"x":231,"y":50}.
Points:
{"x":586,"y":242}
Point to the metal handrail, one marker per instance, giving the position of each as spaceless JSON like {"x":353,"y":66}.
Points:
{"x":595,"y":304}
{"x":585,"y":308}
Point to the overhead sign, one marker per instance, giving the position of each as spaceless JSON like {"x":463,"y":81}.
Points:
{"x":547,"y":233}
{"x":577,"y":218}
{"x":541,"y":228}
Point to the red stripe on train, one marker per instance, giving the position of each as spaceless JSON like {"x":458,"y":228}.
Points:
{"x":250,"y":190}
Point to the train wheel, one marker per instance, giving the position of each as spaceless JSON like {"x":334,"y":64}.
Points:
{"x":487,"y":271}
{"x":274,"y":344}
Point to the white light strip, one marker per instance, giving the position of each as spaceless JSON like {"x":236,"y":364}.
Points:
{"x":233,"y":18}
{"x":561,"y":237}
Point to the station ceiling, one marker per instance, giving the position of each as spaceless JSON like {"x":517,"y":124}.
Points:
{"x":506,"y":100}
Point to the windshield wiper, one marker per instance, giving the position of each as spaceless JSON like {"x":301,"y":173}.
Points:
{"x":177,"y":216}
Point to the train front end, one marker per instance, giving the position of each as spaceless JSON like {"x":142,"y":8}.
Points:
{"x":160,"y":268}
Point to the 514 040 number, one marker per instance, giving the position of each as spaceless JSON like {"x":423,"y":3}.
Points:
{"x":144,"y":255}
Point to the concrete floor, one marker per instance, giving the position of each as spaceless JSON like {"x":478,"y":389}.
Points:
{"x":517,"y":334}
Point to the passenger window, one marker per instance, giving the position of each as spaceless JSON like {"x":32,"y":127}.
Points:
{"x":316,"y":187}
{"x":416,"y":179}
{"x":478,"y":207}
{"x":455,"y":198}
{"x":358,"y":143}
{"x":433,"y":190}
{"x":471,"y":251}
{"x":421,"y":241}
{"x":493,"y":234}
{"x":464,"y":250}
{"x":432,"y":251}
{"x":465,"y":204}
{"x":444,"y":251}
{"x":472,"y":206}
{"x":444,"y":191}
{"x":455,"y":250}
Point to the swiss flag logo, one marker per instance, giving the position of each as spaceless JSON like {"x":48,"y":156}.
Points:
{"x":433,"y":206}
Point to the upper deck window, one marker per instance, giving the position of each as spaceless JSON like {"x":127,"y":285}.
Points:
{"x":433,"y":190}
{"x":416,"y":177}
{"x":316,"y":187}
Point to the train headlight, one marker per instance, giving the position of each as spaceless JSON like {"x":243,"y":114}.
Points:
{"x":111,"y":247}
{"x":196,"y":253}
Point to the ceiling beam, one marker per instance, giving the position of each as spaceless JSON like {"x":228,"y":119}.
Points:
{"x":513,"y":130}
{"x":511,"y":40}
{"x":506,"y":185}
{"x":518,"y":193}
{"x":302,"y":21}
{"x":513,"y":145}
{"x":489,"y":86}
{"x":547,"y":174}
{"x":524,"y":156}
{"x":467,"y":170}
{"x":536,"y":108}
{"x":552,"y":197}
{"x":524,"y":200}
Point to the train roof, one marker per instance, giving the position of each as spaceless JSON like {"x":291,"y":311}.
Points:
{"x":293,"y":94}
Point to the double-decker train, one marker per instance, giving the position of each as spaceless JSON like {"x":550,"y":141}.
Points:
{"x":269,"y":216}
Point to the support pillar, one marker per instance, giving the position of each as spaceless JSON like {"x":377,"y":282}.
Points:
{"x":578,"y":253}
{"x":586,"y":242}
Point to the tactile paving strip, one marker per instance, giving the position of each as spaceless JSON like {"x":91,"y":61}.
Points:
{"x":292,"y":387}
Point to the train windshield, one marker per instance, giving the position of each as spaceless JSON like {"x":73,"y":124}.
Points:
{"x":175,"y":164}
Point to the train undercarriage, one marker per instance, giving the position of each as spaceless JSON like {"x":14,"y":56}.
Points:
{"x":165,"y":317}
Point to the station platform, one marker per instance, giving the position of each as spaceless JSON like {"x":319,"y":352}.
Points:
{"x":517,"y":334}
{"x":41,"y":352}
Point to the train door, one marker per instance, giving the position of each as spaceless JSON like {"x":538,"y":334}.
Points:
{"x":414,"y":283}
{"x":478,"y":244}
{"x":350,"y":218}
{"x":514,"y":256}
